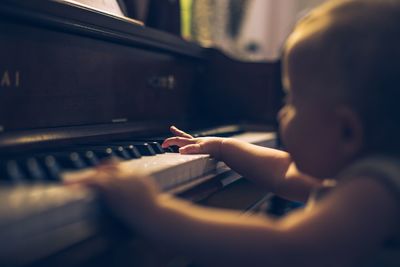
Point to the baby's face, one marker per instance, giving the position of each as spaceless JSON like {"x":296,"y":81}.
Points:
{"x":308,"y":124}
{"x":320,"y":124}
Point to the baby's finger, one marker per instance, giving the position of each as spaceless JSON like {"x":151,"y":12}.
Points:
{"x":111,"y":162}
{"x":191,"y":149}
{"x":109,"y":166}
{"x":177,"y":141}
{"x":178,"y":132}
{"x":98,"y":175}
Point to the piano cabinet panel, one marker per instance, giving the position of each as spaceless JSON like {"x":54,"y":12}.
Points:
{"x":252,"y":89}
{"x":53,"y":78}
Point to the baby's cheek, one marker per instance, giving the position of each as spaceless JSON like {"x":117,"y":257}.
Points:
{"x":292,"y":136}
{"x":286,"y":119}
{"x":285,"y":131}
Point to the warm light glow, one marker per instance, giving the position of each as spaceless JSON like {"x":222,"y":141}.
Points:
{"x":186,"y":18}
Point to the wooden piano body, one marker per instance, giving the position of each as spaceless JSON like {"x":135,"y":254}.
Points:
{"x":71,"y":76}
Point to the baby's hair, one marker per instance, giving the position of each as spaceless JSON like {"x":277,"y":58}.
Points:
{"x":358,"y":56}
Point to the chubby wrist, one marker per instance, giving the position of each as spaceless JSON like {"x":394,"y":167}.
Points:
{"x":145,"y":220}
{"x":219,"y":155}
{"x":171,"y":210}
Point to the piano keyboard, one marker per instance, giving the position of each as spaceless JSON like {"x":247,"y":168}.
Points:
{"x":40,"y":217}
{"x":168,"y":168}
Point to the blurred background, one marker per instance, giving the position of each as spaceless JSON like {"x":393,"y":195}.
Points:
{"x":250,"y":30}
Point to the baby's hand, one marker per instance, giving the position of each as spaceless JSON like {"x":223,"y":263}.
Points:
{"x":190,"y":145}
{"x":131,"y":197}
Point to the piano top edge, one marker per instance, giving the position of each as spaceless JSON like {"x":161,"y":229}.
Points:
{"x":56,"y":15}
{"x":25,"y":140}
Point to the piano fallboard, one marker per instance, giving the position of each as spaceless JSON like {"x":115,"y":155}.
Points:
{"x":60,"y":71}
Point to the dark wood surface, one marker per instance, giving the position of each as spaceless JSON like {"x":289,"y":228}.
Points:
{"x":67,"y":67}
{"x":239,"y":92}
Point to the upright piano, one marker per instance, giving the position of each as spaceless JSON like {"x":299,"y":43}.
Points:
{"x":78,"y":86}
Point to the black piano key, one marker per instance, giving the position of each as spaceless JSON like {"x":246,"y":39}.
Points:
{"x":52,"y":168}
{"x":70,"y":160}
{"x":108,"y":152}
{"x":90,"y":158}
{"x":169,"y":149}
{"x":156,"y":147}
{"x":174,"y":149}
{"x":144,"y":148}
{"x":134,"y":152}
{"x":33,"y":170}
{"x":11,"y":172}
{"x":77,"y":160}
{"x":104,"y":153}
{"x":121,"y":152}
{"x":129,"y":148}
{"x":101,"y":152}
{"x":156,"y":143}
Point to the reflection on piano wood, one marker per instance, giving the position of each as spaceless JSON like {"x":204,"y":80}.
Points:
{"x":89,"y":87}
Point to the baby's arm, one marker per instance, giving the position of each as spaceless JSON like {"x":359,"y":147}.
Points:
{"x":348,"y":225}
{"x":344,"y":229}
{"x":271,"y":168}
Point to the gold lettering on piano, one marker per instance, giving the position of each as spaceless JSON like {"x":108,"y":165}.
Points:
{"x":5,"y":80}
{"x":163,"y":82}
{"x":10,"y":79}
{"x":17,"y":79}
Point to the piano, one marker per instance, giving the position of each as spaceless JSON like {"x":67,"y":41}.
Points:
{"x":78,"y":86}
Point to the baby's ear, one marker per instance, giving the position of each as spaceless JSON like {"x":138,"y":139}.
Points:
{"x":351,"y":129}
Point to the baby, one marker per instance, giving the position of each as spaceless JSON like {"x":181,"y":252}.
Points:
{"x":340,"y":126}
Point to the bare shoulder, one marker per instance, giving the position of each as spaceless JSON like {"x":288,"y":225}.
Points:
{"x":368,"y":195}
{"x":349,"y":224}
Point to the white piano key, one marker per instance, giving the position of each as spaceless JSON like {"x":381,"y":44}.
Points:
{"x":173,"y":169}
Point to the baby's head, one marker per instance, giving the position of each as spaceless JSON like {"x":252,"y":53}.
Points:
{"x":342,"y":72}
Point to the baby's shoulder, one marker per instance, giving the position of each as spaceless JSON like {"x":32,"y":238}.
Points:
{"x":385,"y":169}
